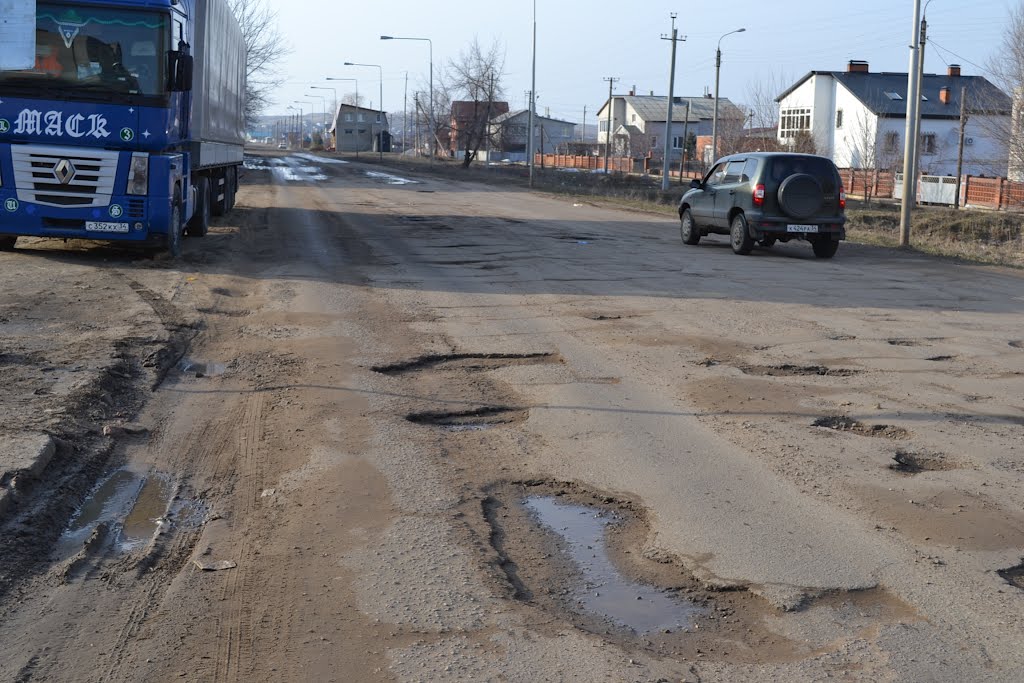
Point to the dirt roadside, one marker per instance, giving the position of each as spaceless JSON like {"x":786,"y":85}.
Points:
{"x":385,"y":374}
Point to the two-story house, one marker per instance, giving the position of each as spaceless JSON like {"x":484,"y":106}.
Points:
{"x":510,"y":133}
{"x":358,"y":129}
{"x":638,"y":124}
{"x":469,"y":123}
{"x":858,"y":118}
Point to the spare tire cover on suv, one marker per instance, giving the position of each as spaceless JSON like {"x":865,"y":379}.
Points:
{"x":800,"y":195}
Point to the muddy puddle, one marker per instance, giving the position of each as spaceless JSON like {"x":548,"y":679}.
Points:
{"x":132,"y":502}
{"x":602,"y":589}
{"x":201,"y":368}
{"x":320,"y":160}
{"x":389,"y":179}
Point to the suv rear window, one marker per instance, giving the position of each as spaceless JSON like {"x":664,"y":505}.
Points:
{"x":780,"y":168}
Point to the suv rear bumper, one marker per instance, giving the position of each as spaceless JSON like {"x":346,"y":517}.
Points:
{"x":761,"y":227}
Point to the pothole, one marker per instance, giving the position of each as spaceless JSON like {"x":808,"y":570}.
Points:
{"x":1014,"y":576}
{"x":583,"y":558}
{"x":471,"y":420}
{"x":601,"y":317}
{"x":940,"y":359}
{"x":789,"y":370}
{"x":1017,"y":343}
{"x":201,"y":368}
{"x":904,"y":342}
{"x":909,"y":462}
{"x":842,"y":423}
{"x":134,"y":504}
{"x":465,"y":361}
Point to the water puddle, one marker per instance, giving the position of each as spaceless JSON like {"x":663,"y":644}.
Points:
{"x":298,"y":175}
{"x":320,"y":160}
{"x":254,"y":164}
{"x":201,"y":368}
{"x":136,"y":502}
{"x":604,"y":590}
{"x":390,"y":179}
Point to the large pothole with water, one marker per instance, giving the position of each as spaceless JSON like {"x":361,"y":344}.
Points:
{"x":582,"y":557}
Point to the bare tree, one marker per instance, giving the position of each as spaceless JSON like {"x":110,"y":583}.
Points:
{"x":1007,"y":69}
{"x":476,"y":77}
{"x":265,"y":49}
{"x":353,"y":99}
{"x":763,"y":105}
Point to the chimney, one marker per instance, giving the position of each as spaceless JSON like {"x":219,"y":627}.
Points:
{"x":954,"y":70}
{"x":856,"y":66}
{"x":632,"y":92}
{"x":945,"y":95}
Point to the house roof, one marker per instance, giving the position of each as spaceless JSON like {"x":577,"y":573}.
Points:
{"x":885,"y":93}
{"x":519,"y":112}
{"x":653,"y":108}
{"x":464,"y":109}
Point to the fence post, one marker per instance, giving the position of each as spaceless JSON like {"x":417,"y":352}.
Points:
{"x":999,"y":202}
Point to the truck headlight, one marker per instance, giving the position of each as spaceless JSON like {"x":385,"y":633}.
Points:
{"x":138,"y":176}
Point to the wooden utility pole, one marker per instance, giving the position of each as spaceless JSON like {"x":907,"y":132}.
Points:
{"x":960,"y":152}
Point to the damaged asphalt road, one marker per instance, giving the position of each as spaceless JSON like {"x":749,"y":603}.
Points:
{"x":371,"y":430}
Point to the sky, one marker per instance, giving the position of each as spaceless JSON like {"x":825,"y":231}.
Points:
{"x":580,"y":43}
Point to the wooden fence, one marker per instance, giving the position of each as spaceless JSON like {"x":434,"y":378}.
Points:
{"x":588,"y":163}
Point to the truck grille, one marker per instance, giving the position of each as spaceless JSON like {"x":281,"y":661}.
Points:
{"x":88,"y":175}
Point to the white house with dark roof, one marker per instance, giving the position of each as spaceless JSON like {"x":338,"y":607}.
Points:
{"x":858,"y":118}
{"x":638,"y":122}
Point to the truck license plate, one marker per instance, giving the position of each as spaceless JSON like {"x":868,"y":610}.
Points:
{"x":102,"y":226}
{"x":801,"y":228}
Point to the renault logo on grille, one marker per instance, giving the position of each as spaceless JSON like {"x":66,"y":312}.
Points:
{"x":64,"y":171}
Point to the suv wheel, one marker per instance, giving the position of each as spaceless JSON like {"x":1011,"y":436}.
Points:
{"x":739,"y":236}
{"x":825,"y":247}
{"x":687,"y":229}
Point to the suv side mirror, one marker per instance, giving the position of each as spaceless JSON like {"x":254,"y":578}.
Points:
{"x":179,"y":69}
{"x":695,"y":184}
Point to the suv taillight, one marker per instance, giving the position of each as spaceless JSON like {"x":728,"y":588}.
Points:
{"x":842,"y":197}
{"x":759,"y":195}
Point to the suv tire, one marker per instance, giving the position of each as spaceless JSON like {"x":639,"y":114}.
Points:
{"x":801,"y":196}
{"x":688,"y":229}
{"x":739,"y":236}
{"x":824,"y":246}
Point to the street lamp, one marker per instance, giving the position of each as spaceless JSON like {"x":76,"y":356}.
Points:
{"x":380,"y":139}
{"x":533,"y":94}
{"x":718,"y":69}
{"x":357,"y":104}
{"x":430,"y":116}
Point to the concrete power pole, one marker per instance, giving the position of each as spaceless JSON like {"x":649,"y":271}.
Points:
{"x":608,"y":133}
{"x":666,"y":160}
{"x":960,"y":151}
{"x":910,"y":145}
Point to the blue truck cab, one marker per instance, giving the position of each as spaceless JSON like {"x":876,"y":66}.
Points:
{"x":130,"y":126}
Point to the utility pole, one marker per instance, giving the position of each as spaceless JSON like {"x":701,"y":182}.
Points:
{"x":608,"y":133}
{"x":533,"y":93}
{"x":583,"y":128}
{"x":960,"y":152}
{"x":910,"y":144}
{"x":667,"y":160}
{"x":405,"y":114}
{"x":920,"y":77}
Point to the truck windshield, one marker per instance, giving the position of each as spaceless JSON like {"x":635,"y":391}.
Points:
{"x":109,"y":52}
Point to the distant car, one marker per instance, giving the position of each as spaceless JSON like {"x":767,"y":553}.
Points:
{"x":282,"y":146}
{"x":767,"y":197}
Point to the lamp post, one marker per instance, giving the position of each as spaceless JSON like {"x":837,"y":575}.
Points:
{"x":430,"y":116}
{"x":357,"y":104}
{"x":380,"y":116}
{"x":302,"y":124}
{"x":718,"y":69}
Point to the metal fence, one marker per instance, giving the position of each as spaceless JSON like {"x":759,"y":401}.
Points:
{"x":975,"y":191}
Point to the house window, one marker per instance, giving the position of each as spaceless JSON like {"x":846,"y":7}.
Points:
{"x":895,"y":96}
{"x":793,"y":121}
{"x":378,"y":118}
{"x":633,"y":119}
{"x":892,"y":142}
{"x":349,"y":131}
{"x":654,"y":141}
{"x":348,"y":117}
{"x":603,"y":127}
{"x":677,"y":142}
{"x":839,"y":118}
{"x":928,"y":143}
{"x":362,"y":131}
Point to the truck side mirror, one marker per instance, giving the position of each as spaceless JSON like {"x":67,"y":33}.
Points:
{"x":179,"y":69}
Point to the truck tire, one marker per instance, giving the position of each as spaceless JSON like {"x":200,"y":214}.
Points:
{"x":200,"y":223}
{"x":7,"y":242}
{"x":173,"y":239}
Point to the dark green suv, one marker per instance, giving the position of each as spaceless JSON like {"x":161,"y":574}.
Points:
{"x":767,"y":197}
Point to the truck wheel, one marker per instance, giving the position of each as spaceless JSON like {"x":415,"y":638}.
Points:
{"x":7,"y":242}
{"x":825,"y":247}
{"x":739,"y":236}
{"x":200,"y":223}
{"x":173,"y":238}
{"x":688,"y":229}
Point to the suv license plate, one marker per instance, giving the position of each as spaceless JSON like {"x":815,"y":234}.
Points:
{"x":101,"y":226}
{"x":801,"y":228}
